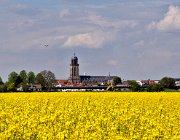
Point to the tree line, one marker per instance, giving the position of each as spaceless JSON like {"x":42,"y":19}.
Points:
{"x":166,"y":83}
{"x":47,"y":80}
{"x":24,"y":80}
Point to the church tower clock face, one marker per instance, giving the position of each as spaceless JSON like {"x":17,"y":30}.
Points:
{"x":74,"y":70}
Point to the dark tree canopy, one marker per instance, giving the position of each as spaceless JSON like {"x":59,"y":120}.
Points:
{"x":18,"y":81}
{"x":40,"y":80}
{"x":12,"y":77}
{"x":1,"y":85}
{"x":49,"y":78}
{"x":1,"y":81}
{"x":13,"y":81}
{"x":10,"y":86}
{"x":167,"y":82}
{"x":31,"y":77}
{"x":23,"y":76}
{"x":135,"y":87}
{"x":154,"y":88}
{"x":116,"y":80}
{"x":24,"y":80}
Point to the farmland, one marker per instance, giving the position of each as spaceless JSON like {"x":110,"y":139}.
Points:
{"x":88,"y":115}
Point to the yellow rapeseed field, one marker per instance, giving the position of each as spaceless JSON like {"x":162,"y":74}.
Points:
{"x":91,"y":116}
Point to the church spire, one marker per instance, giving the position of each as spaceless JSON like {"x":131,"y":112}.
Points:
{"x":74,"y":70}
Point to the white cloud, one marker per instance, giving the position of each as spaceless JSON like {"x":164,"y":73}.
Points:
{"x":116,"y":23}
{"x":171,"y":20}
{"x":64,"y":12}
{"x":94,"y":39}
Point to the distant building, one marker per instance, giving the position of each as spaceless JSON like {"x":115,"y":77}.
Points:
{"x":147,"y":82}
{"x":31,"y":87}
{"x":60,"y":83}
{"x":76,"y":79}
{"x":91,"y":80}
{"x":177,"y":81}
{"x":35,"y":87}
{"x":74,"y":71}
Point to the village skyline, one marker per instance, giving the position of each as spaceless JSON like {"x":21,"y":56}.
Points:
{"x":129,"y":38}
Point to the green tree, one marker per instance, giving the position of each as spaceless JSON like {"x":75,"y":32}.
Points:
{"x":18,"y":81}
{"x":24,"y":86}
{"x":12,"y":77}
{"x":154,"y":88}
{"x":3,"y":88}
{"x":40,"y":80}
{"x":14,"y":80}
{"x":1,"y":85}
{"x":49,"y":78}
{"x":31,"y":77}
{"x":116,"y":81}
{"x":1,"y":81}
{"x":23,"y":76}
{"x":167,"y":82}
{"x":11,"y":86}
{"x":135,"y":87}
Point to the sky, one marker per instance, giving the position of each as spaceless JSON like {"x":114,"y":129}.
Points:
{"x":133,"y":39}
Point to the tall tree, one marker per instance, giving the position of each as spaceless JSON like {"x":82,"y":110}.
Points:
{"x":49,"y":78}
{"x":1,"y":85}
{"x":18,"y":81}
{"x":12,"y":77}
{"x":23,"y":76}
{"x":116,"y":81}
{"x":1,"y":88}
{"x":1,"y":81}
{"x":31,"y":77}
{"x":40,"y":80}
{"x":13,"y":81}
{"x":167,"y":82}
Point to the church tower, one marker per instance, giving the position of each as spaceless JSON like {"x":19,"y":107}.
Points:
{"x":74,"y":70}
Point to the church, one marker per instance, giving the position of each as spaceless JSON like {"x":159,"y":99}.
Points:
{"x":75,"y":78}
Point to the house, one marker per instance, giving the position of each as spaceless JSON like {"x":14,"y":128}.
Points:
{"x":147,"y":82}
{"x":35,"y":87}
{"x":60,"y":83}
{"x":96,"y":80}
